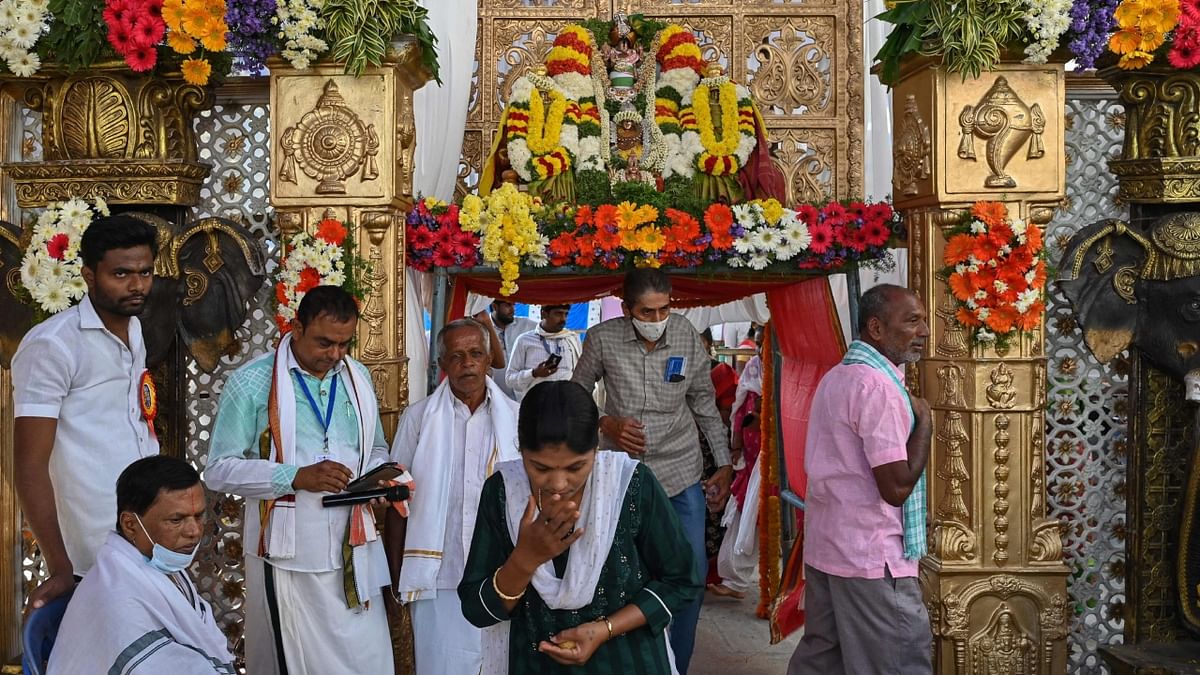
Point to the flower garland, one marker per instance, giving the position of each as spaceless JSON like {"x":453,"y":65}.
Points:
{"x":509,"y":233}
{"x":433,"y":237}
{"x":51,"y":269}
{"x":729,"y":154}
{"x":996,"y":272}
{"x":325,"y":258}
{"x":22,"y":22}
{"x":545,"y":126}
{"x":681,"y":63}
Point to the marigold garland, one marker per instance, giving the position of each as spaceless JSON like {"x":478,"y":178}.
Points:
{"x":545,"y":127}
{"x":996,"y":271}
{"x":507,"y":230}
{"x":727,"y":98}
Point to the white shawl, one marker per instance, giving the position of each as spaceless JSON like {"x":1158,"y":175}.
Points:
{"x":278,"y":520}
{"x":603,"y":499}
{"x":426,"y":534}
{"x":127,"y":617}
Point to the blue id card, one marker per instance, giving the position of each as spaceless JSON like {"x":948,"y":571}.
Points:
{"x":675,"y":367}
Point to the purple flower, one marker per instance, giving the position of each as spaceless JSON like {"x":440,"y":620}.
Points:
{"x":1091,"y":22}
{"x":251,"y":36}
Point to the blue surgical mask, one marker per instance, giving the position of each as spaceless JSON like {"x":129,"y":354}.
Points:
{"x":164,"y":559}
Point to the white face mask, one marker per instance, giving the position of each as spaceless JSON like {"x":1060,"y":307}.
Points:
{"x":651,"y":330}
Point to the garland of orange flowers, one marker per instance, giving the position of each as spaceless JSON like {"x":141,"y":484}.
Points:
{"x":769,"y":525}
{"x":545,"y":128}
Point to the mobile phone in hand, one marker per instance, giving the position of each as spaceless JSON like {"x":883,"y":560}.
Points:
{"x":552,"y":361}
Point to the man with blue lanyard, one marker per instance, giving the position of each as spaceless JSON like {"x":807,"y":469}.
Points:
{"x":293,"y":425}
{"x":546,"y":353}
{"x":864,"y":525}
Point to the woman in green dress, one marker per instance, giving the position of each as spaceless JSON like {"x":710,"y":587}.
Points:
{"x":600,"y":562}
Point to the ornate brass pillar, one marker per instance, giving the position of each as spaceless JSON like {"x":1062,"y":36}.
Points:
{"x":994,"y":580}
{"x":342,"y":147}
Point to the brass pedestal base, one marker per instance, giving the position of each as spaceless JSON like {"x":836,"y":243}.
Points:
{"x":1153,"y":658}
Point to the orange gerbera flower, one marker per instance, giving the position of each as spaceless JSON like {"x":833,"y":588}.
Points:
{"x":215,"y":40}
{"x":606,"y":214}
{"x":1125,"y":41}
{"x":281,"y":293}
{"x":583,"y":216}
{"x":960,"y":286}
{"x":196,"y":71}
{"x":959,"y":248}
{"x":332,"y":231}
{"x":1033,"y":238}
{"x":966,"y":317}
{"x":1135,"y":60}
{"x":1000,"y":235}
{"x":718,"y":218}
{"x":1029,"y":320}
{"x":180,"y":42}
{"x":1001,"y":319}
{"x":991,"y":213}
{"x":196,"y":20}
{"x":607,"y":239}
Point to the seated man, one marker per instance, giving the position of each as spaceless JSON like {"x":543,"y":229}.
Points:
{"x":137,"y":611}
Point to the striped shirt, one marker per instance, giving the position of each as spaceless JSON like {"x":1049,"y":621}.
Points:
{"x":636,"y":385}
{"x":649,"y":565}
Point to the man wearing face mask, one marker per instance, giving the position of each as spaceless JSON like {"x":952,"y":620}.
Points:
{"x":658,"y":391}
{"x":137,"y":610}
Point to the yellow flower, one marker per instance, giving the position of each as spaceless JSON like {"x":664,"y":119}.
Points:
{"x":627,"y":216}
{"x":646,"y":214}
{"x":772,"y":211}
{"x":196,"y":71}
{"x":215,"y":40}
{"x":1128,"y":13}
{"x":727,"y":97}
{"x":545,"y":127}
{"x":197,"y":21}
{"x":629,"y":240}
{"x":1160,"y":15}
{"x":650,"y":239}
{"x":172,"y":14}
{"x":647,"y":261}
{"x":181,"y":43}
{"x":1135,"y":60}
{"x":1125,"y":41}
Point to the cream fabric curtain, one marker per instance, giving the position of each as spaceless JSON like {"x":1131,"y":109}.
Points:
{"x":441,"y":115}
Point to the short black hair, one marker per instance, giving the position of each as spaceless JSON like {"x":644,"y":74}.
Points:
{"x":109,"y":233}
{"x":141,"y":482}
{"x":644,"y":280}
{"x":332,"y":300}
{"x":548,"y":308}
{"x":558,"y":412}
{"x":876,"y":303}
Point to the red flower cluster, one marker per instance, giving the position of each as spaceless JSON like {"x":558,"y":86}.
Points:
{"x":996,"y":271}
{"x":134,"y":28}
{"x":434,"y":238}
{"x":844,"y":232}
{"x":595,"y":241}
{"x":1185,"y":47}
{"x":57,"y":246}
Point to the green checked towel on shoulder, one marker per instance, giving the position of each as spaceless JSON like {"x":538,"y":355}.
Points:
{"x":913,"y":511}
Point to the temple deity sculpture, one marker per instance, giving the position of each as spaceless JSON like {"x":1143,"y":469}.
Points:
{"x":622,"y":55}
{"x":1003,"y":648}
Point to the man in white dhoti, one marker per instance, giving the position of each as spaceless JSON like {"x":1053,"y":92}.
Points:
{"x":451,"y":443}
{"x":292,"y":425}
{"x":137,"y":611}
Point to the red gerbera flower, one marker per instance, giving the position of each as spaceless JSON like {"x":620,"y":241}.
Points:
{"x":443,"y":257}
{"x":57,"y":246}
{"x":718,"y":218}
{"x":444,"y":237}
{"x":419,"y":238}
{"x":141,"y":59}
{"x":464,"y":243}
{"x":807,"y":214}
{"x":834,"y":212}
{"x":120,"y":37}
{"x":147,"y":31}
{"x":822,"y":238}
{"x":876,"y":232}
{"x":309,"y":279}
{"x":879,"y":212}
{"x":857,"y":240}
{"x":331,"y":231}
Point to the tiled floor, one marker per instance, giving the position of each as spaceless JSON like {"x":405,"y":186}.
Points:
{"x":731,"y":640}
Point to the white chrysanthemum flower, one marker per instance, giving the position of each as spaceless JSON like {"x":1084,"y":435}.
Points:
{"x":1000,"y":286}
{"x":758,"y":261}
{"x":798,"y":235}
{"x":538,"y":259}
{"x":743,"y":244}
{"x":983,"y":313}
{"x":745,"y":215}
{"x":335,"y":278}
{"x":24,"y":33}
{"x":73,"y":209}
{"x":971,"y":304}
{"x":735,"y":262}
{"x":984,"y":335}
{"x":981,"y":294}
{"x":102,"y":206}
{"x":26,"y":65}
{"x":786,"y":251}
{"x":1030,"y":276}
{"x":55,"y":299}
{"x":1025,"y":300}
{"x":978,"y":227}
{"x":76,"y":288}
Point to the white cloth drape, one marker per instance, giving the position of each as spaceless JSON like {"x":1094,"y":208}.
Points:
{"x":441,"y":116}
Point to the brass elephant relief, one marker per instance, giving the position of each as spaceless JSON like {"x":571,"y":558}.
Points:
{"x":1006,"y":124}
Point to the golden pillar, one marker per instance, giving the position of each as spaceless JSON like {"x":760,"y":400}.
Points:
{"x":994,"y":581}
{"x":342,"y":147}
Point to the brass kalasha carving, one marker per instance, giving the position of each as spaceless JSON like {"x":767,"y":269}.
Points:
{"x":790,"y":78}
{"x":374,"y":313}
{"x":953,"y":436}
{"x":1004,"y":647}
{"x":1000,"y":490}
{"x":1006,"y":123}
{"x":953,"y":342}
{"x":951,"y":378}
{"x":912,"y":150}
{"x":330,"y":144}
{"x":1001,"y":393}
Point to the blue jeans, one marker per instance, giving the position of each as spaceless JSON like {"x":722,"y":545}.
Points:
{"x":690,"y":507}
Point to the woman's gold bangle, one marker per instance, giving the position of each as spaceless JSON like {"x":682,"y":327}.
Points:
{"x":609,"y":624}
{"x":508,"y":598}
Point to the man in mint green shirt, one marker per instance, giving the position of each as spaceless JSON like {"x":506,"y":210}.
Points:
{"x":292,"y":426}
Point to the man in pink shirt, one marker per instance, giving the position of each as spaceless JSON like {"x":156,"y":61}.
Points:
{"x":868,"y":444}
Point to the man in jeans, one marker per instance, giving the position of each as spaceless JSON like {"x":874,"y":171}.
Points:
{"x":868,"y":444}
{"x":658,"y":390}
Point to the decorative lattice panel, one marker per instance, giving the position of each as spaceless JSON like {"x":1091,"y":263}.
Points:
{"x":234,"y":138}
{"x":1086,"y":416}
{"x":801,"y":59}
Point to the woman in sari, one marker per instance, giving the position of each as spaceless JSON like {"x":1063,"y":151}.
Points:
{"x":578,"y":560}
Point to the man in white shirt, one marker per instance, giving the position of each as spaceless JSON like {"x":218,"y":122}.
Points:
{"x":548,"y":352}
{"x":78,"y":380}
{"x":451,"y":442}
{"x":293,"y":425}
{"x":508,"y":327}
{"x":137,"y":610}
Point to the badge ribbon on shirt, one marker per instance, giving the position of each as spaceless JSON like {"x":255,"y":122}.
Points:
{"x":148,"y":399}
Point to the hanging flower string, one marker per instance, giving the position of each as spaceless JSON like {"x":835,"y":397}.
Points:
{"x":326,"y":258}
